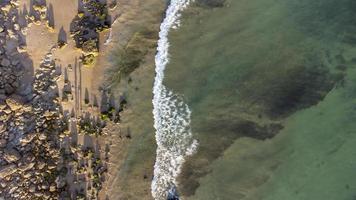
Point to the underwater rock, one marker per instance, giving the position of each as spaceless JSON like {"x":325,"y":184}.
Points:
{"x":289,"y":89}
{"x":173,"y":194}
{"x":256,"y":131}
{"x":211,"y":3}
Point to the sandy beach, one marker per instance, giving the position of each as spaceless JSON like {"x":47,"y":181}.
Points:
{"x":56,"y":36}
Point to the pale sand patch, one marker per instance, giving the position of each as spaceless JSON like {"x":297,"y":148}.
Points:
{"x":39,"y":43}
{"x":40,"y":39}
{"x":63,"y":11}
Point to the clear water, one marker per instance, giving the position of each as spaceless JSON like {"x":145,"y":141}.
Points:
{"x":256,"y":68}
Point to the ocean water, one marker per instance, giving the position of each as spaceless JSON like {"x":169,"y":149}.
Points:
{"x":270,"y":85}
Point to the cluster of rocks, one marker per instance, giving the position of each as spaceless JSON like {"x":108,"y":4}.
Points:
{"x":80,"y":171}
{"x":34,"y":154}
{"x":29,"y":140}
{"x":11,"y":46}
{"x":83,"y":170}
{"x":92,"y":18}
{"x":39,"y":12}
{"x":111,"y":107}
{"x":67,"y":91}
{"x":91,"y":125}
{"x":34,"y":162}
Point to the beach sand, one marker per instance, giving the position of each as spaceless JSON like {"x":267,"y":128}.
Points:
{"x":128,"y":175}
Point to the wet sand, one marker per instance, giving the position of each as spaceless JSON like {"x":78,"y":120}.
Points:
{"x":132,"y":162}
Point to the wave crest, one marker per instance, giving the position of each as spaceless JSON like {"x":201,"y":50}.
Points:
{"x":171,"y":115}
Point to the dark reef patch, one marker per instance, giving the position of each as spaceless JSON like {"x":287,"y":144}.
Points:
{"x":211,"y":3}
{"x":270,"y":98}
{"x":213,"y":145}
{"x":253,"y":130}
{"x":288,"y":90}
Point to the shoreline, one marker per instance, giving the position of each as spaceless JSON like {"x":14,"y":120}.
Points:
{"x":171,"y":116}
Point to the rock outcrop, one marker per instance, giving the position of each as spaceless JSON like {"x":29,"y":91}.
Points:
{"x":38,"y":159}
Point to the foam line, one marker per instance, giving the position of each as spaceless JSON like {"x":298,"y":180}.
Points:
{"x":171,"y":115}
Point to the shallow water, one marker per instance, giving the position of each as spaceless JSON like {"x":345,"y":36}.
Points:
{"x":270,"y":86}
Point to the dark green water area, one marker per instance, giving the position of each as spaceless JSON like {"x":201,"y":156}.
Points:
{"x":272,"y":89}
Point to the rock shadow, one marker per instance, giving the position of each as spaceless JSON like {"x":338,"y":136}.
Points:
{"x":22,"y":17}
{"x":86,"y":96}
{"x":50,"y":16}
{"x":62,"y":36}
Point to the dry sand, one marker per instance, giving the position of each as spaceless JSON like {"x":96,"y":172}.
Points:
{"x":128,"y":17}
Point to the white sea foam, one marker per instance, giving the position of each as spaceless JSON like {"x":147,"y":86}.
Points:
{"x":109,"y":38}
{"x":171,"y":115}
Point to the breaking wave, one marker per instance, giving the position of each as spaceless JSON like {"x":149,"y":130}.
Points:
{"x":171,"y":116}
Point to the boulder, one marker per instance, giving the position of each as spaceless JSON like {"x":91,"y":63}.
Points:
{"x":9,"y":89}
{"x":11,"y":155}
{"x":2,"y":127}
{"x":27,"y":139}
{"x":42,"y":137}
{"x":60,"y":182}
{"x":44,"y":186}
{"x":12,"y":190}
{"x":6,"y":8}
{"x":27,"y":166}
{"x":16,"y":27}
{"x":13,"y":104}
{"x":41,"y":165}
{"x":5,"y":62}
{"x":38,"y":194}
{"x":7,"y":111}
{"x":3,"y":184}
{"x":2,"y":95}
{"x":7,"y":170}
{"x":52,"y":188}
{"x":32,"y":188}
{"x":27,"y":175}
{"x":15,"y":61}
{"x":3,"y":143}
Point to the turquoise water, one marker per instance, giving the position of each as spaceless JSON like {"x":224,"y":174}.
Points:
{"x":270,"y":86}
